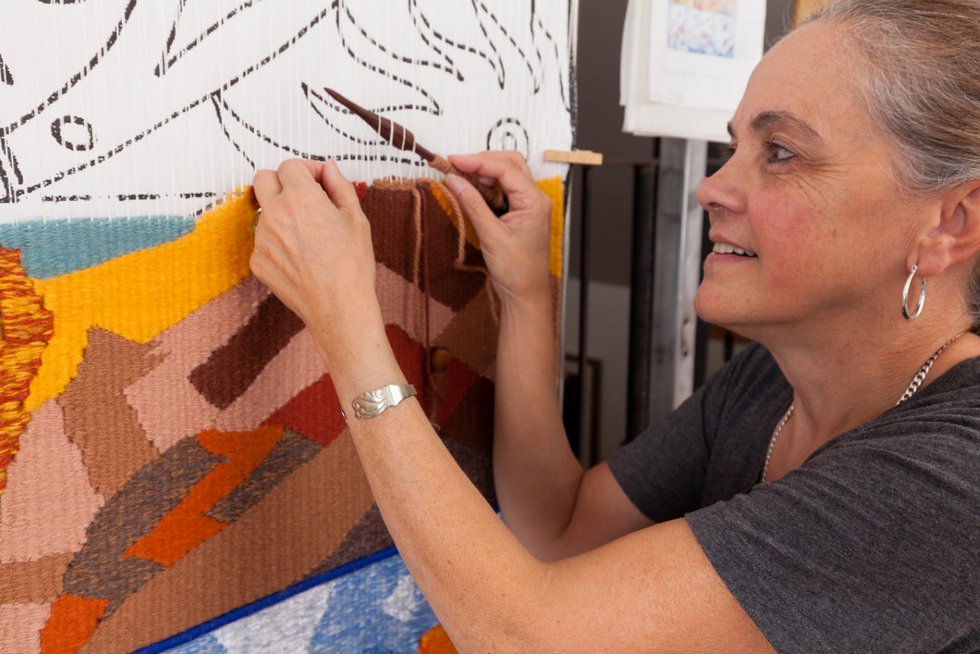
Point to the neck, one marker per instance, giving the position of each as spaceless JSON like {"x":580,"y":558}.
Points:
{"x":840,"y":382}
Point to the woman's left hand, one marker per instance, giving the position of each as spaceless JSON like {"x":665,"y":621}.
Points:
{"x":313,"y":249}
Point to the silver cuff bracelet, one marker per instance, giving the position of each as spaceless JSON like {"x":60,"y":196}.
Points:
{"x":372,"y":403}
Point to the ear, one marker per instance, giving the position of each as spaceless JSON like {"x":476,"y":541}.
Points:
{"x":957,"y":236}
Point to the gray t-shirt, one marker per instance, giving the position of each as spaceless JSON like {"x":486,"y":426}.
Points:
{"x":872,"y":545}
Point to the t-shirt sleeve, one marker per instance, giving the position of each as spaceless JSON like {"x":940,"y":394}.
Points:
{"x":663,"y":471}
{"x":871,"y":546}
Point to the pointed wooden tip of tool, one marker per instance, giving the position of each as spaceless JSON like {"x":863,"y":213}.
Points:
{"x":336,"y":96}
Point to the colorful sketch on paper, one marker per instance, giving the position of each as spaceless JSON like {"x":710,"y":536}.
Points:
{"x":702,"y":27}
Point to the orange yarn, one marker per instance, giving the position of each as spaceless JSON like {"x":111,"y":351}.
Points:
{"x":187,"y":526}
{"x":436,"y":641}
{"x":73,"y":620}
{"x":25,"y":329}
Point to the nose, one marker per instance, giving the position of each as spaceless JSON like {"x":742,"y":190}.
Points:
{"x":723,"y":192}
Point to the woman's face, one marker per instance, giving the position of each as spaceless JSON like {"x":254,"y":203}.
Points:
{"x":810,"y":197}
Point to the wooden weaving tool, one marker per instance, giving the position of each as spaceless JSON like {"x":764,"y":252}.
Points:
{"x":399,"y":137}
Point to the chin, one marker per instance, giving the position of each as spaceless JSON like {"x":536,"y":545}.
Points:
{"x":714,"y":306}
{"x":725,"y":311}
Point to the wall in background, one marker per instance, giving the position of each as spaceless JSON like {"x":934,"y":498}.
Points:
{"x":599,"y":127}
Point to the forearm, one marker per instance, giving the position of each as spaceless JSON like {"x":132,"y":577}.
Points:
{"x":450,"y":538}
{"x":537,"y":476}
{"x":536,"y":473}
{"x":313,"y":249}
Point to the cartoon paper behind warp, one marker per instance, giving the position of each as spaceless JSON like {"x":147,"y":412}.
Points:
{"x":185,"y":453}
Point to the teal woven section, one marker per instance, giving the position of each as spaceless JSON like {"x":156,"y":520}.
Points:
{"x":56,"y":247}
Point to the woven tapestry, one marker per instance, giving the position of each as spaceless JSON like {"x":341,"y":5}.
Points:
{"x":174,"y":470}
{"x":173,"y":448}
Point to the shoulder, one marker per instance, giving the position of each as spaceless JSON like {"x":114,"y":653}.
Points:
{"x":711,"y":446}
{"x":934,"y":435}
{"x":888,"y":511}
{"x":918,"y":463}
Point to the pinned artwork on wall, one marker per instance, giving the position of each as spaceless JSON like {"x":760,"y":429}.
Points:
{"x":174,"y":470}
{"x":685,"y":64}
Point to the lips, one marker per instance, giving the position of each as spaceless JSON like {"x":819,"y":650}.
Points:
{"x":725,"y":248}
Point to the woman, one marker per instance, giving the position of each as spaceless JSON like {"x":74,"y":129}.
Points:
{"x":821,"y":492}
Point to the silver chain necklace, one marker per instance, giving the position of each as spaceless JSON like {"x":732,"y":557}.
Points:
{"x":912,"y":389}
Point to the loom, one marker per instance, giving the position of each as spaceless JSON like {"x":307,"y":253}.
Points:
{"x":174,"y":471}
{"x":126,"y":108}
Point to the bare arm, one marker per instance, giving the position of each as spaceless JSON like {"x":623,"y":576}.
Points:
{"x":553,"y":508}
{"x":650,"y":591}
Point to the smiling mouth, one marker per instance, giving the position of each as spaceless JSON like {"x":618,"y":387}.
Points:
{"x":724,"y":248}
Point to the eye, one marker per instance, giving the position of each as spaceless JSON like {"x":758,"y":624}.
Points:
{"x":779,"y":153}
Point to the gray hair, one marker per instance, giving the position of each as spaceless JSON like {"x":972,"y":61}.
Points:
{"x":922,"y":87}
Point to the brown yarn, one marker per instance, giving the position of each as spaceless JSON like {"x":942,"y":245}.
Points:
{"x":418,"y":279}
{"x":434,"y":390}
{"x":420,"y":282}
{"x":420,"y":274}
{"x":460,"y":262}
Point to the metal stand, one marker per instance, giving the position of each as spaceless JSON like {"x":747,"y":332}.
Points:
{"x":665,"y":271}
{"x":585,"y":274}
{"x":642,"y":267}
{"x":678,"y":255}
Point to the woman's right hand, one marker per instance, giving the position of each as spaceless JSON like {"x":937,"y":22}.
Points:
{"x":515,"y":246}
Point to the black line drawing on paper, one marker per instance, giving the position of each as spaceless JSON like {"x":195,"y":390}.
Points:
{"x":509,"y":134}
{"x":6,"y":77}
{"x":77,"y":77}
{"x":167,"y":60}
{"x":532,"y":52}
{"x":67,"y":136}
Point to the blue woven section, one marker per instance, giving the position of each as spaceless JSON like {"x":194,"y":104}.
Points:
{"x":370,"y":605}
{"x":56,"y":247}
{"x":206,"y":644}
{"x":377,"y":609}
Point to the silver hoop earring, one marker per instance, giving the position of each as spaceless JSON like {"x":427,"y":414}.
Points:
{"x":905,"y":295}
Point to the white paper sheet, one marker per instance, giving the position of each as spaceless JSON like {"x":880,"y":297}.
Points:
{"x":686,"y":64}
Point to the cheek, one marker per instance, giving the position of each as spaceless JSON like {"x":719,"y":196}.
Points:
{"x":794,"y":246}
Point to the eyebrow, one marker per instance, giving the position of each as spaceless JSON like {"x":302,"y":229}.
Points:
{"x":768,"y":119}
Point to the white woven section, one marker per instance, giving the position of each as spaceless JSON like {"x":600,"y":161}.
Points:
{"x":138,"y":108}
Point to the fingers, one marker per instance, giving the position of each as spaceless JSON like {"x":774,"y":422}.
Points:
{"x":511,"y":171}
{"x":509,"y":168}
{"x":473,"y":204}
{"x":296,"y":172}
{"x":340,"y":190}
{"x":266,"y":185}
{"x":270,"y":183}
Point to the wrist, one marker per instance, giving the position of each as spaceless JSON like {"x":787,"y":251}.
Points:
{"x":533,"y":299}
{"x":372,"y":403}
{"x":355,"y":349}
{"x":367,"y":373}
